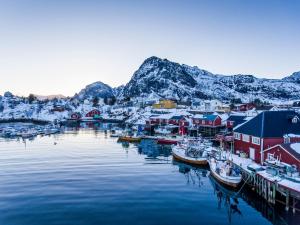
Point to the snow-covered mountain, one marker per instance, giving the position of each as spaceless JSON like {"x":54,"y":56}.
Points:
{"x":166,"y":79}
{"x":98,"y":89}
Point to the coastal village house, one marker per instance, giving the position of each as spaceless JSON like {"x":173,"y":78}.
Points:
{"x":244,"y":107}
{"x":165,"y":104}
{"x":286,"y":152}
{"x":212,"y":105}
{"x":93,"y":113}
{"x":208,"y":125}
{"x":235,"y":120}
{"x":267,"y":129}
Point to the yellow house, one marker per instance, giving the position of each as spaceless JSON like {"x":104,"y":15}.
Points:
{"x":165,"y":104}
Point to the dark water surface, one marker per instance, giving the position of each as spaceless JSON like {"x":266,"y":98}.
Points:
{"x":89,"y":178}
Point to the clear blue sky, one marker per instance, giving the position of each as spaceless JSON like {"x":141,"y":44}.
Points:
{"x":52,"y":47}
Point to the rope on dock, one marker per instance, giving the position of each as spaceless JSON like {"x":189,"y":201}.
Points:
{"x":242,"y":187}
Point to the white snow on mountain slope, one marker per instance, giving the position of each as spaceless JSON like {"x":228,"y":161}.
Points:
{"x":167,"y":79}
{"x":96,"y":89}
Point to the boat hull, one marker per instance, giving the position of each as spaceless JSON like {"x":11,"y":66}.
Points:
{"x":226,"y":183}
{"x":130,"y":139}
{"x":198,"y":162}
{"x":166,"y":142}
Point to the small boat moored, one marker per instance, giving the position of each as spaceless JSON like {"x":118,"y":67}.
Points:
{"x":224,"y":172}
{"x":190,"y":155}
{"x":129,"y":139}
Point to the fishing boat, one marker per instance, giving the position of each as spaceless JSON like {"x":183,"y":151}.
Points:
{"x":162,"y":131}
{"x":126,"y":138}
{"x":190,"y":155}
{"x":169,"y":140}
{"x":223,"y":171}
{"x":116,"y":132}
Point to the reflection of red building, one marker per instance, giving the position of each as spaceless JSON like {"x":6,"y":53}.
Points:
{"x":93,"y":113}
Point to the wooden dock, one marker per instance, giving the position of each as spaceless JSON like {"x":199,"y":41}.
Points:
{"x":271,"y":188}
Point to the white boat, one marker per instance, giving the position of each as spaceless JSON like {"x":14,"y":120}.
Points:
{"x":189,"y":155}
{"x":116,"y":133}
{"x":28,"y":134}
{"x":162,"y":131}
{"x":223,"y":171}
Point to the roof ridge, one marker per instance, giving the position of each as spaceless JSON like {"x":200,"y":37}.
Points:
{"x":262,"y":125}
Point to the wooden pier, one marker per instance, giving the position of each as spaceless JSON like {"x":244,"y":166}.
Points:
{"x":269,"y":187}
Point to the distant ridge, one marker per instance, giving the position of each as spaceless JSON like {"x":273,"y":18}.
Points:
{"x":49,"y":97}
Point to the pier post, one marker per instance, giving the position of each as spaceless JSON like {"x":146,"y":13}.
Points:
{"x":274,"y":194}
{"x":269,"y":192}
{"x":287,"y":201}
{"x":294,"y":205}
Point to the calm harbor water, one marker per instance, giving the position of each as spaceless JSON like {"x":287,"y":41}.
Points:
{"x":85,"y":177}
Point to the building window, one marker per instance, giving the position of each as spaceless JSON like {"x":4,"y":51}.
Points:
{"x":246,"y":138}
{"x":203,"y":121}
{"x":295,"y":119}
{"x":256,"y":140}
{"x":237,"y":136}
{"x":286,"y":140}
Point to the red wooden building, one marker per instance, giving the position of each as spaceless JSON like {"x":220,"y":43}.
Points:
{"x":208,"y":125}
{"x":244,"y":107}
{"x":92,"y":113}
{"x":234,"y":120}
{"x":267,"y":129}
{"x":288,"y":153}
{"x":183,"y":126}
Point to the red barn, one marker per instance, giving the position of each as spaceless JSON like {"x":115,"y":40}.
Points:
{"x":244,"y":107}
{"x":288,"y":153}
{"x":234,"y":120}
{"x":207,"y":120}
{"x":175,"y":120}
{"x":208,"y":125}
{"x":267,"y":129}
{"x":93,"y":113}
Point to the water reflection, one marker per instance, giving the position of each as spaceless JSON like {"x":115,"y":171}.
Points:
{"x":193,"y":175}
{"x":226,"y":198}
{"x":154,"y":153}
{"x":109,"y":187}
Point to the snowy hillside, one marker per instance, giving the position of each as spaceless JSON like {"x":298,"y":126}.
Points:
{"x":98,"y":89}
{"x":163,"y":78}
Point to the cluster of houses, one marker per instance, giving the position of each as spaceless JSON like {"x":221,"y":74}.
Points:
{"x":245,"y":130}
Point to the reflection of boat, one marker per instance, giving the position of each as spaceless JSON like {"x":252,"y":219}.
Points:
{"x":193,"y":174}
{"x":152,"y":150}
{"x":191,"y":156}
{"x":224,"y":172}
{"x":217,"y":186}
{"x":229,"y":197}
{"x":130,"y":138}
